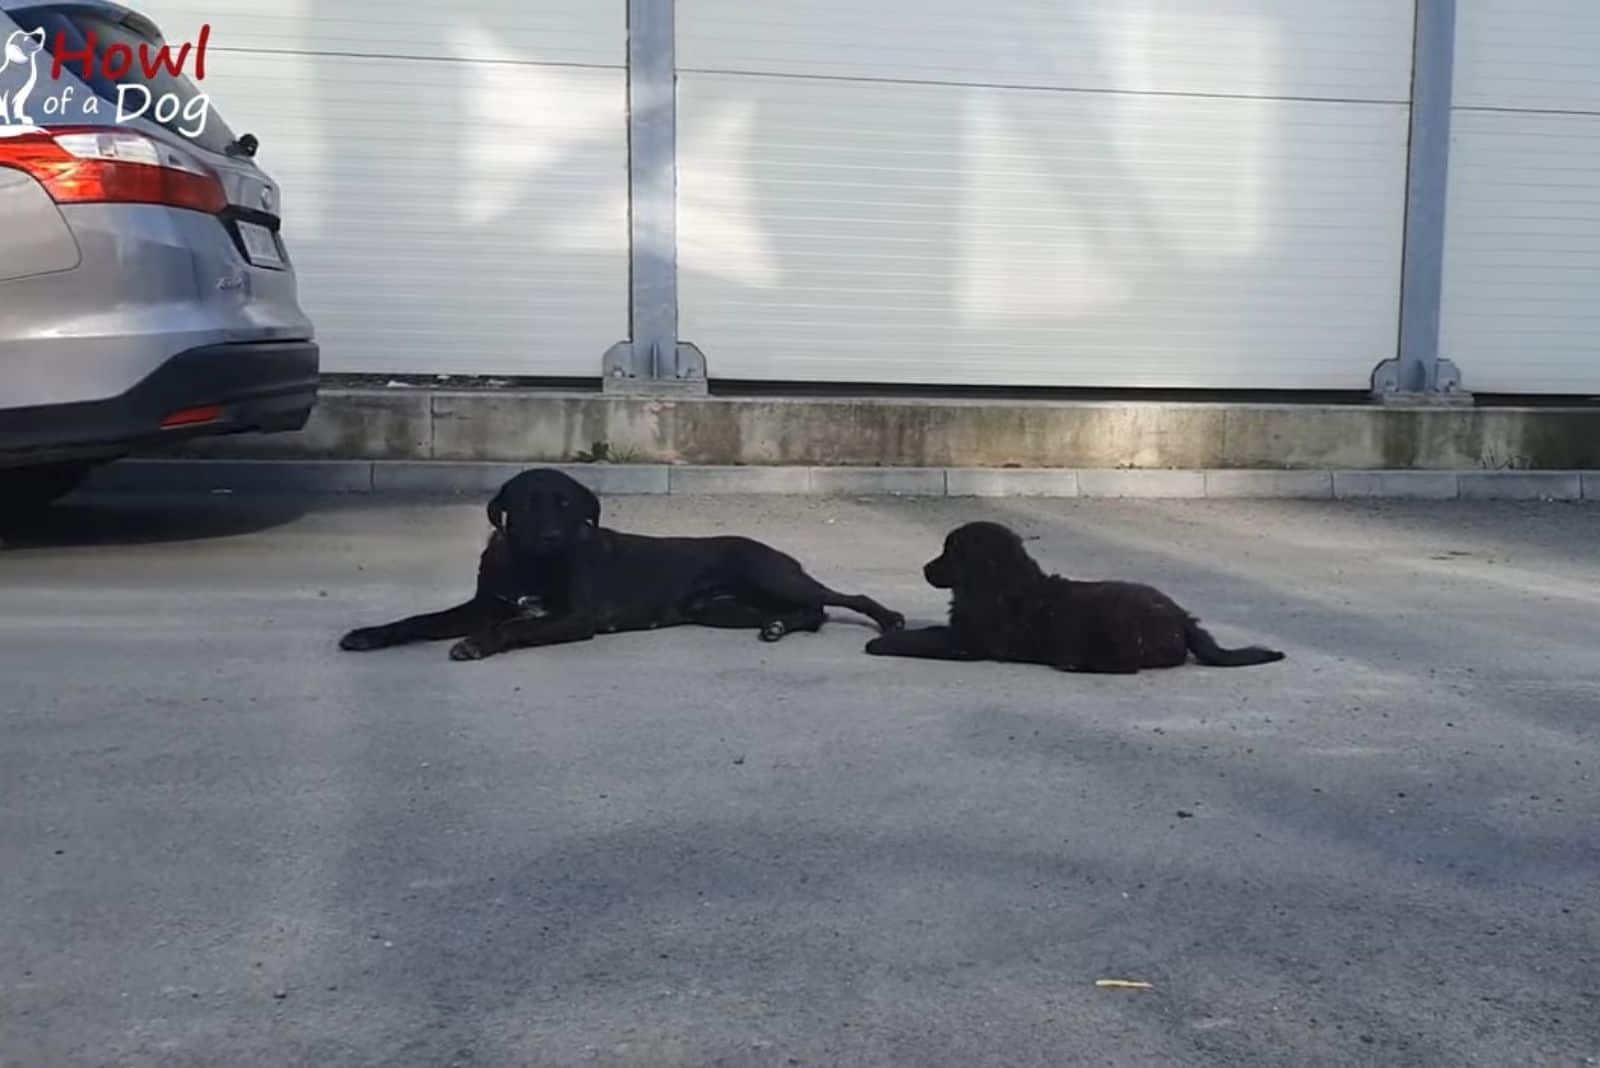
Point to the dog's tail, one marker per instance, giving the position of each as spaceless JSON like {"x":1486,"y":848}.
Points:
{"x":1207,"y":651}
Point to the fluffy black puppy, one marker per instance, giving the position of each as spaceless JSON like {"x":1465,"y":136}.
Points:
{"x":551,"y":573}
{"x":1004,"y":607}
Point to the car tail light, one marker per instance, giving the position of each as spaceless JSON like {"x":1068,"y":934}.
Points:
{"x":208,"y":413}
{"x":81,"y":165}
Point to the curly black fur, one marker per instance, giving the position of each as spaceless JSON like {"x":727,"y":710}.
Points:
{"x":1004,"y":607}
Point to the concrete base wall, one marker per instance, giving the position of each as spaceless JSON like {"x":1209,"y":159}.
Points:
{"x":551,"y":427}
{"x":482,"y":478}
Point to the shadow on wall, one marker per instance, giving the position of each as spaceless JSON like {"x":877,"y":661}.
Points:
{"x":455,"y":200}
{"x":504,"y":222}
{"x":459,"y":204}
{"x":978,"y":234}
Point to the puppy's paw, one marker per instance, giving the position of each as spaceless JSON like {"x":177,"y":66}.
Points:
{"x":363,"y":640}
{"x":774,"y":631}
{"x":893,"y":622}
{"x":469,"y":649}
{"x":875,"y":646}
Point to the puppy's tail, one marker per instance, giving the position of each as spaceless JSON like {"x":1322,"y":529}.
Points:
{"x":1207,"y":651}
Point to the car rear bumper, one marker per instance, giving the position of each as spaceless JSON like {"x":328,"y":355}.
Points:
{"x":262,"y":386}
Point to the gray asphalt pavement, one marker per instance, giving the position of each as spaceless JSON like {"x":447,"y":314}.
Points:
{"x":222,"y":842}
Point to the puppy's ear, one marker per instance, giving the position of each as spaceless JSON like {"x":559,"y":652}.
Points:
{"x":497,"y":511}
{"x":590,"y":505}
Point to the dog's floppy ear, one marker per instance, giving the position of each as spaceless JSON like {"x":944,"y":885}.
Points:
{"x":590,"y":504}
{"x":497,"y":511}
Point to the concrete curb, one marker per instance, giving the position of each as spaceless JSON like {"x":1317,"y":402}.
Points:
{"x":479,"y":479}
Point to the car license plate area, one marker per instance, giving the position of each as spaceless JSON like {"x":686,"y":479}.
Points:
{"x":261,"y":245}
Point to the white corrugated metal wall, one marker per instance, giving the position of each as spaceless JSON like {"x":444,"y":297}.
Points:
{"x":1078,"y":192}
{"x":455,"y":177}
{"x":1081,"y":192}
{"x":1521,"y":305}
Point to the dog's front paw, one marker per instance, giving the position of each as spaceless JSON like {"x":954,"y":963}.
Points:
{"x":892,"y":622}
{"x":875,"y":646}
{"x":470,"y":649}
{"x":363,"y":640}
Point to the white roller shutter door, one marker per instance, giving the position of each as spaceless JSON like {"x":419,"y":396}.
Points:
{"x":1521,"y":309}
{"x":1072,"y":193}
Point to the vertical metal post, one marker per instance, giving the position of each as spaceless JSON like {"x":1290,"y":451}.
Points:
{"x":653,"y":359}
{"x":1418,"y":373}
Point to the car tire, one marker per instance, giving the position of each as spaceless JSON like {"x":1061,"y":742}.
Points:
{"x":30,"y":489}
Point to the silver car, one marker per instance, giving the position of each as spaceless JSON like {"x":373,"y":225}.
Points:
{"x":146,"y":295}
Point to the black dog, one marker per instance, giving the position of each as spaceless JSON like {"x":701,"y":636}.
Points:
{"x":1003,"y":607}
{"x":551,"y":574}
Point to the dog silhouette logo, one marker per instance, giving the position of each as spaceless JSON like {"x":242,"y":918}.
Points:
{"x":19,"y":73}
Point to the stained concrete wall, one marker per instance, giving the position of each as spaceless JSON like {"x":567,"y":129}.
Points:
{"x":556,"y":427}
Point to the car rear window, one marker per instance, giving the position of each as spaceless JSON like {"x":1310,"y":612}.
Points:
{"x":186,"y":112}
